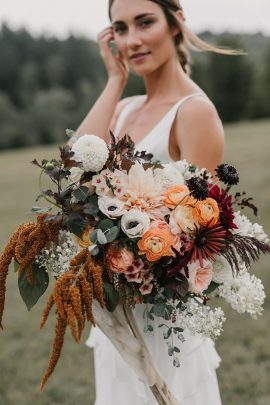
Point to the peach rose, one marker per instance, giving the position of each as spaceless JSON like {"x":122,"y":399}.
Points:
{"x":156,"y":243}
{"x":174,"y":195}
{"x":199,"y":276}
{"x":185,"y":217}
{"x":119,"y":260}
{"x":84,"y":241}
{"x":207,"y":211}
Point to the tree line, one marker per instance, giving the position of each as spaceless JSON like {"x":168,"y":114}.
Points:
{"x":48,"y":84}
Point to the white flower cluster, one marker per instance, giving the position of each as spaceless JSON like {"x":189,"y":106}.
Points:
{"x":169,"y":175}
{"x":57,"y":258}
{"x":245,"y":293}
{"x":201,"y":319}
{"x":91,"y":151}
{"x":247,"y":228}
{"x":222,"y":270}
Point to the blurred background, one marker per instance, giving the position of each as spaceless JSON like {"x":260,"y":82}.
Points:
{"x":50,"y":76}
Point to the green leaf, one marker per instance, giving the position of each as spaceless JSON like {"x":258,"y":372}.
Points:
{"x":111,"y":296}
{"x":212,"y":287}
{"x":82,"y":193}
{"x":176,"y":349}
{"x":93,"y":236}
{"x":105,"y":224}
{"x":176,"y":362}
{"x":159,"y":309}
{"x":167,"y":333}
{"x":112,"y":234}
{"x":101,"y":237}
{"x":16,"y":266}
{"x":91,"y":207}
{"x":75,"y":223}
{"x":31,"y":293}
{"x":40,"y":210}
{"x":177,"y":329}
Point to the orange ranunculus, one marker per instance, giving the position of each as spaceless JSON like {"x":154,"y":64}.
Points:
{"x":186,"y":217}
{"x":156,"y":243}
{"x":208,"y":212}
{"x":174,"y":195}
{"x":84,"y":241}
{"x":119,"y":260}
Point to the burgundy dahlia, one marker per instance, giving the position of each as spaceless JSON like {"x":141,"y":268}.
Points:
{"x":224,"y":201}
{"x":208,"y":242}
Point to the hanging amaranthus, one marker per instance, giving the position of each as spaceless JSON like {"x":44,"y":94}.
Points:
{"x":73,"y":296}
{"x":23,"y":246}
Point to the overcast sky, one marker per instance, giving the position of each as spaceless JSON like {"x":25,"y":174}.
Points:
{"x":88,"y":17}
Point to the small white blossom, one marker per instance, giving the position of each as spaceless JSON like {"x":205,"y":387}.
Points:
{"x":245,"y":293}
{"x":135,"y":223}
{"x":57,"y":258}
{"x":246,"y":228}
{"x":201,"y":319}
{"x":91,"y":151}
{"x":111,"y":207}
{"x":222,"y":270}
{"x":169,"y":175}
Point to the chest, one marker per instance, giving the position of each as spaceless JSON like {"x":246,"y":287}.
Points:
{"x":141,"y":123}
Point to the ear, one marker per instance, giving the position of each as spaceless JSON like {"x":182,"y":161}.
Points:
{"x":180,"y":15}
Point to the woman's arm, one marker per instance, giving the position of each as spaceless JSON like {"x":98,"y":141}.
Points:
{"x":200,"y":134}
{"x":98,"y":120}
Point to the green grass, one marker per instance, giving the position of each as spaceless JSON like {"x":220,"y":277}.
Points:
{"x":24,"y":349}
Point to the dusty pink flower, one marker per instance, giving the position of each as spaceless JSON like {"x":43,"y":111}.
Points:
{"x":146,"y":289}
{"x":199,"y":276}
{"x":119,"y":260}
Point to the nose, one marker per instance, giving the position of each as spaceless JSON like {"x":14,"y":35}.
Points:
{"x":133,"y":39}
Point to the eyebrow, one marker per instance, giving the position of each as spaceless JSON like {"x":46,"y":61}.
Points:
{"x":138,"y":17}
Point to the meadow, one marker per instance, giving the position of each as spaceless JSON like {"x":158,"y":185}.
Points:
{"x":24,"y":349}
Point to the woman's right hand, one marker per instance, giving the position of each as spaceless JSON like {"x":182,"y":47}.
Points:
{"x":115,"y":64}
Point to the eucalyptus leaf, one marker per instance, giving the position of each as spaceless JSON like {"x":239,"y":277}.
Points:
{"x":101,"y":237}
{"x":40,"y":210}
{"x":167,"y":333}
{"x":112,"y":234}
{"x":159,"y":309}
{"x":93,"y":236}
{"x":91,"y":207}
{"x":75,"y":223}
{"x":31,"y":293}
{"x":176,"y":362}
{"x":176,"y":349}
{"x":82,"y":193}
{"x":105,"y":224}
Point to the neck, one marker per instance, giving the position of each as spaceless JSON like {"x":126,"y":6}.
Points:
{"x":167,"y":82}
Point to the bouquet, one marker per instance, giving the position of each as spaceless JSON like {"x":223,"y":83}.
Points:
{"x":122,"y":229}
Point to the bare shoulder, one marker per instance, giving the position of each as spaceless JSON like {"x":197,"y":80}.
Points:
{"x":119,"y":107}
{"x":199,"y":132}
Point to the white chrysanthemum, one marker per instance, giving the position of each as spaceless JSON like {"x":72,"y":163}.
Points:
{"x":246,"y":228}
{"x":201,"y":319}
{"x":169,"y":175}
{"x":91,"y":151}
{"x":245,"y":293}
{"x":111,"y":207}
{"x":56,"y":259}
{"x":135,"y":223}
{"x":222,"y":270}
{"x":75,"y":174}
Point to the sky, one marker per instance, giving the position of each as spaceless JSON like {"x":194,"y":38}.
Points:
{"x":88,"y":17}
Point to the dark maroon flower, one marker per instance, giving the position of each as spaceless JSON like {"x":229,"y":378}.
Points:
{"x":224,"y":201}
{"x":227,"y":174}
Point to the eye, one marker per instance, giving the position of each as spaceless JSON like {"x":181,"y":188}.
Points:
{"x":119,"y":29}
{"x":146,"y":23}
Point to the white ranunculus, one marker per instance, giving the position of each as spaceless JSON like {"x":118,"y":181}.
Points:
{"x":91,"y":151}
{"x":222,"y":270}
{"x":135,"y":223}
{"x":75,"y":174}
{"x":111,"y":207}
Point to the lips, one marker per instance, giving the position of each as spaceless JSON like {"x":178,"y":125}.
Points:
{"x":139,"y":55}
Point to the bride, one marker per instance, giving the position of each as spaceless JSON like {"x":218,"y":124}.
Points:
{"x":174,"y":120}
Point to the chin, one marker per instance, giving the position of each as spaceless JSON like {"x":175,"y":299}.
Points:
{"x":144,"y":69}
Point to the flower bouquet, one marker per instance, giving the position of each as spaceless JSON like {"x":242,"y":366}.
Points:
{"x":122,"y":229}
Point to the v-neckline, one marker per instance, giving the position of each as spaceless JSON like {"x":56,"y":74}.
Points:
{"x":135,"y":103}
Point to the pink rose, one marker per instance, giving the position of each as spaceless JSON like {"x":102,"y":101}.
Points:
{"x":119,"y":260}
{"x":199,"y":276}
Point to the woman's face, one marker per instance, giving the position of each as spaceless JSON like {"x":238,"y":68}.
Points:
{"x":142,"y":34}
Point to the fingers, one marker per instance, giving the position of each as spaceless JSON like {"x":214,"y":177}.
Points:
{"x":104,"y":37}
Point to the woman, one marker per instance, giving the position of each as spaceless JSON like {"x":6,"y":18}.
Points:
{"x":173,"y":120}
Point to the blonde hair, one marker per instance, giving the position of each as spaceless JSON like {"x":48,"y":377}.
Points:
{"x":186,"y":39}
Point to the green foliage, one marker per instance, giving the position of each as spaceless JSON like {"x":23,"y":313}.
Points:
{"x":31,"y":293}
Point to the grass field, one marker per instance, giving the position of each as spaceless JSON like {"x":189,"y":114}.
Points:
{"x":24,"y":349}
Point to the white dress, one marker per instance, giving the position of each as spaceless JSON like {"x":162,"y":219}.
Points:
{"x":195,"y":381}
